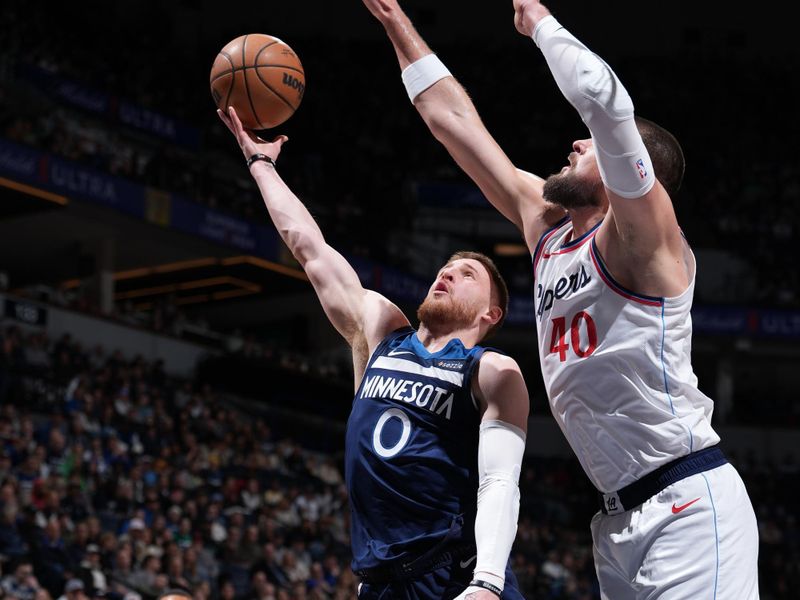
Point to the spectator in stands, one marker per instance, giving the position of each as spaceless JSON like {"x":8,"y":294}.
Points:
{"x":12,"y":544}
{"x":122,"y":579}
{"x":91,"y":571}
{"x":318,"y":582}
{"x":74,"y":590}
{"x":262,"y":588}
{"x":50,"y":556}
{"x":145,"y":578}
{"x":22,"y":583}
{"x":271,"y":567}
{"x":175,"y":572}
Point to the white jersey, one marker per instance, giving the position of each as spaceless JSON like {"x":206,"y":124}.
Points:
{"x":616,"y":365}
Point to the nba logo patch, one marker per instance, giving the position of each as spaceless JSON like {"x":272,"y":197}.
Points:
{"x":641,"y":169}
{"x":612,"y":504}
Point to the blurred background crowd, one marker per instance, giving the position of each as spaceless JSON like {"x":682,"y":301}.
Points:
{"x":131,"y":482}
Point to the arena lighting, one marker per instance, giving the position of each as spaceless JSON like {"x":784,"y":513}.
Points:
{"x":197,"y":263}
{"x":189,"y":285}
{"x":510,"y":249}
{"x":27,"y":189}
{"x":165,"y":268}
{"x":265,"y":264}
{"x":145,"y":271}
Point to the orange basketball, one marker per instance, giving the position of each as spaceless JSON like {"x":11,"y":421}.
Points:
{"x":261,"y":77}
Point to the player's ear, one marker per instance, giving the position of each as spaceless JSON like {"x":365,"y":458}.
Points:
{"x":494,"y":314}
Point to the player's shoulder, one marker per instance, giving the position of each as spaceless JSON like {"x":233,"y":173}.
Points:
{"x":500,"y":384}
{"x":494,"y":363}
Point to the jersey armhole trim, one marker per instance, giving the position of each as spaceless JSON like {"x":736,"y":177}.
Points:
{"x":580,"y":239}
{"x":605,"y":275}
{"x":474,"y":362}
{"x":542,"y":240}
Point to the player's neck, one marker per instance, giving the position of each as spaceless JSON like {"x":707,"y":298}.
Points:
{"x":583,"y":219}
{"x":434,"y":339}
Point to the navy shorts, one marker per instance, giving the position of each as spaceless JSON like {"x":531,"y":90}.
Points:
{"x":442,"y":584}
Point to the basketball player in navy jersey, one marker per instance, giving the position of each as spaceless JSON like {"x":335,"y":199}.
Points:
{"x":614,"y":283}
{"x":436,"y":435}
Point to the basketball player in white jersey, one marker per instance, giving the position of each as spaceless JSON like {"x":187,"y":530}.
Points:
{"x":614,"y":279}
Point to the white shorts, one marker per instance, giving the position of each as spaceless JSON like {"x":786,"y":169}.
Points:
{"x":696,"y":539}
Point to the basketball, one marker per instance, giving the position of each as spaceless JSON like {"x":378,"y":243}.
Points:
{"x":261,"y":77}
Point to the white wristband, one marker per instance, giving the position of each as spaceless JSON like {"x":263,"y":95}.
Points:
{"x":422,"y":74}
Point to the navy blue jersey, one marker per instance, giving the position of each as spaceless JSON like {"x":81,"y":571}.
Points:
{"x":411,"y":452}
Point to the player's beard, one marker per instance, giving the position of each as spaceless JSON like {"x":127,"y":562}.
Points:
{"x":445,"y":314}
{"x":569,"y":191}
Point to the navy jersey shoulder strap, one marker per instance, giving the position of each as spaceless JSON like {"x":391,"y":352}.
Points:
{"x":388,"y":341}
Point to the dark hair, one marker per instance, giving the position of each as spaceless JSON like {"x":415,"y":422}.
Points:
{"x":665,"y":152}
{"x":499,"y":284}
{"x":175,"y":592}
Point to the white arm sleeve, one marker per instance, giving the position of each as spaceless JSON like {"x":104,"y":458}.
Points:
{"x":604,"y":105}
{"x":500,"y":452}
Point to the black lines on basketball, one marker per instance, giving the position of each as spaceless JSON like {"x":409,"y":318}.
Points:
{"x":264,"y":47}
{"x":247,"y":84}
{"x":227,"y":57}
{"x":233,"y":77}
{"x":245,"y":68}
{"x":274,"y":91}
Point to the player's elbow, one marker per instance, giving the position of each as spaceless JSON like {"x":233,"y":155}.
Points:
{"x":447,"y":123}
{"x":435,"y":117}
{"x":501,"y":481}
{"x":445,"y":112}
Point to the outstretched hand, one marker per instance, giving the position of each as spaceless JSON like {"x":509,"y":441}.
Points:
{"x":248,"y":141}
{"x":527,"y":14}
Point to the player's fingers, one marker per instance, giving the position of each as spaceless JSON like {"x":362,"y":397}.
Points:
{"x":281,"y":139}
{"x":237,"y":124}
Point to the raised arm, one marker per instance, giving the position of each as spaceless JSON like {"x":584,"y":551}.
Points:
{"x":361,"y":316}
{"x":501,"y":391}
{"x":452,"y":118}
{"x":640,"y":237}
